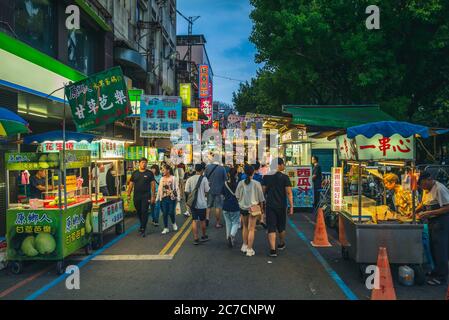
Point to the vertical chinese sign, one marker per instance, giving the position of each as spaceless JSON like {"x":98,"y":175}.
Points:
{"x":185,"y":91}
{"x":301,"y":179}
{"x":206,"y":105}
{"x":159,"y":116}
{"x":203,"y":81}
{"x":337,"y":189}
{"x":99,"y":100}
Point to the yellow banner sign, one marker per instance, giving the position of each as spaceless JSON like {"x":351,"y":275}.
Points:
{"x":192,"y":114}
{"x":185,"y":91}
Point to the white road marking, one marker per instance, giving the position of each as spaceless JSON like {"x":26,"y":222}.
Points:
{"x":126,"y":257}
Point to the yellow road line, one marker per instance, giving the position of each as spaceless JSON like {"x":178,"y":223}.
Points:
{"x":127,"y":257}
{"x":180,"y":242}
{"x":175,"y":237}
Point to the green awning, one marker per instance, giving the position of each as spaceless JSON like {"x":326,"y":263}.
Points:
{"x":336,"y":116}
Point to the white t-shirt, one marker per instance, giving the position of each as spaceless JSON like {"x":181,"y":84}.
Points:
{"x":101,"y":175}
{"x":201,"y":202}
{"x":439,"y":194}
{"x":249,"y":195}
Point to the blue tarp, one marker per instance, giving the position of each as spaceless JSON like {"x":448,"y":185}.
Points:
{"x":389,"y":128}
{"x":57,"y":136}
{"x":6,"y":114}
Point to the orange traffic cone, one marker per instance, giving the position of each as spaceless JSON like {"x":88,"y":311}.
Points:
{"x":342,"y":233}
{"x":386,"y":289}
{"x":320,"y":239}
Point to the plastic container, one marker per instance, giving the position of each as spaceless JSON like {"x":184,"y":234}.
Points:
{"x":406,"y":276}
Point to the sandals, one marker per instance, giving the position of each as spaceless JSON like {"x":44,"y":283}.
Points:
{"x":435,"y":282}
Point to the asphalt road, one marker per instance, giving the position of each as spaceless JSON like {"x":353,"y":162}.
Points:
{"x":171,"y":267}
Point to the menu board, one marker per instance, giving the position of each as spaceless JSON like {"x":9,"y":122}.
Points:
{"x":302,"y":186}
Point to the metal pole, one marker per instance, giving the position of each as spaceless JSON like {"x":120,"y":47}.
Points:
{"x":360,"y":191}
{"x":63,"y":152}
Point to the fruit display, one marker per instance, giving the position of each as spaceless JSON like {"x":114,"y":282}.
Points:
{"x":45,"y":243}
{"x":89,"y":222}
{"x":28,"y":246}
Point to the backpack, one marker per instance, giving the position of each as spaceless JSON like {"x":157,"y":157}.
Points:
{"x":193,"y":196}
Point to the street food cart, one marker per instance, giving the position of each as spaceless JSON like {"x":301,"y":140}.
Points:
{"x":108,"y":210}
{"x":59,"y":223}
{"x":370,"y":151}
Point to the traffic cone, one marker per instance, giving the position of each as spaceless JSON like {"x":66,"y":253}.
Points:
{"x":342,"y":233}
{"x":320,"y":239}
{"x":386,"y":289}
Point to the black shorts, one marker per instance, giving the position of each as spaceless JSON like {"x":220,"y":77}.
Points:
{"x":276,"y":219}
{"x":244,"y":213}
{"x":198,"y":214}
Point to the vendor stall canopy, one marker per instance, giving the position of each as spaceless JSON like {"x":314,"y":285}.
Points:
{"x":336,"y":116}
{"x":57,"y":136}
{"x":389,"y":128}
{"x":11,"y":123}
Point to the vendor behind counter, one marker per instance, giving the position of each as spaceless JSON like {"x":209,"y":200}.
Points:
{"x":38,"y":181}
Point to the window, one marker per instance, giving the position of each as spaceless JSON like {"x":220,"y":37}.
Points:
{"x":81,"y":50}
{"x":35,"y":24}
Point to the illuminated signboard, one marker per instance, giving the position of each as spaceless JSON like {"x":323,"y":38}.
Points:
{"x":192,"y":114}
{"x":57,"y":146}
{"x":204,"y":81}
{"x":185,"y":91}
{"x":379,"y":147}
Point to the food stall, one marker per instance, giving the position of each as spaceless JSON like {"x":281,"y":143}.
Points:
{"x":58,"y":223}
{"x":367,"y":152}
{"x":108,"y":210}
{"x":297,"y":152}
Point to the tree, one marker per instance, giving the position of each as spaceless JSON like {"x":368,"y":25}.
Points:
{"x":320,"y":52}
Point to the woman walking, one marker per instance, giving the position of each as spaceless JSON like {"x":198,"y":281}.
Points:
{"x":156,"y":208}
{"x":168,"y":194}
{"x":231,"y":209}
{"x":250,"y":196}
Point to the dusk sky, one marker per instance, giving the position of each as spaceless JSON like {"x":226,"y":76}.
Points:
{"x":227,"y":27}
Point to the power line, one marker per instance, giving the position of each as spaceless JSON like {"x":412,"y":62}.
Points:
{"x":228,"y":78}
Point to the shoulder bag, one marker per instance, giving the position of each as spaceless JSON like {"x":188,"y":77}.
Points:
{"x":193,"y":196}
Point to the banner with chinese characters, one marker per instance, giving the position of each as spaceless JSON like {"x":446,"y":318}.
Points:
{"x":204,"y":81}
{"x":185,"y":91}
{"x":36,"y":234}
{"x":337,"y":189}
{"x":57,"y":146}
{"x":192,"y":114}
{"x":109,"y":214}
{"x":379,"y":147}
{"x":99,"y":100}
{"x":31,"y":161}
{"x":109,"y":149}
{"x":134,"y":153}
{"x":346,"y":148}
{"x":302,"y":187}
{"x":160,"y":115}
{"x":206,"y":106}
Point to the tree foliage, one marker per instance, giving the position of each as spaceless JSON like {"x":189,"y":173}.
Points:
{"x":320,"y":52}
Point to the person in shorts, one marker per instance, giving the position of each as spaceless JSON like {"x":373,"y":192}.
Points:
{"x":216,"y":176}
{"x":277,"y":188}
{"x":198,"y":210}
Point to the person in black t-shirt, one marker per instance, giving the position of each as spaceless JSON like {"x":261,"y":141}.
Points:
{"x":317,"y":178}
{"x":144,"y":185}
{"x":277,"y":188}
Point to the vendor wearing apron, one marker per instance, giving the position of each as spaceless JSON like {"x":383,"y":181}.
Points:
{"x":435,"y":208}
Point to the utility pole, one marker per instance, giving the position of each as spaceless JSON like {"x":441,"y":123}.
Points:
{"x":190,"y":21}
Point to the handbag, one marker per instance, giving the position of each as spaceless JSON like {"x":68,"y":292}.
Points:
{"x":255,"y":210}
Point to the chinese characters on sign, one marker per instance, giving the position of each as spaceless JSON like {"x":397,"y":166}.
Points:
{"x":301,"y":179}
{"x":32,"y":222}
{"x":109,"y":149}
{"x":56,"y":146}
{"x":346,"y":148}
{"x":204,"y":81}
{"x":206,"y":105}
{"x":99,"y":100}
{"x":112,"y":214}
{"x":160,"y":116}
{"x":337,"y":189}
{"x":192,"y":114}
{"x":185,"y":91}
{"x":379,"y":147}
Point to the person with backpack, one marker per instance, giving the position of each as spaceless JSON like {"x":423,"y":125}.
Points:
{"x":156,"y":208}
{"x":216,"y":176}
{"x":168,"y":194}
{"x":196,"y":190}
{"x":231,"y":209}
{"x":250,"y":196}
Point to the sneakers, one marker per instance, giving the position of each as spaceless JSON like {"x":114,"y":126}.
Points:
{"x":281,"y":246}
{"x":165,"y":231}
{"x":175,"y":227}
{"x":196,"y":242}
{"x":204,"y":238}
{"x":250,"y":252}
{"x":244,"y":248}
{"x":273,"y":253}
{"x":186,"y":214}
{"x":155,"y":224}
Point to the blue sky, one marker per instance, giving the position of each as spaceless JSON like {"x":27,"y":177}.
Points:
{"x":227,"y":27}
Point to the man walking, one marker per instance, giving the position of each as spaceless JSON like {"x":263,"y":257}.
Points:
{"x":144,"y":185}
{"x":435,"y":208}
{"x":197,"y":187}
{"x":216,"y":176}
{"x":277,"y":188}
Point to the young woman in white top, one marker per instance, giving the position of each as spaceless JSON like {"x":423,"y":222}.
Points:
{"x":168,"y":194}
{"x":249,"y":193}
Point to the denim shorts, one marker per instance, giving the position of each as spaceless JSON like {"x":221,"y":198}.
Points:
{"x":215,"y":201}
{"x":198,"y":214}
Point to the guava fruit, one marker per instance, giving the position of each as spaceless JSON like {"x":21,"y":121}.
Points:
{"x":53,"y":157}
{"x":45,"y":243}
{"x":88,"y":223}
{"x":28,"y":246}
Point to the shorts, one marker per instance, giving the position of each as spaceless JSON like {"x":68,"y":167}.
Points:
{"x":276,"y":219}
{"x":244,"y":213}
{"x":198,"y":214}
{"x":215,"y":201}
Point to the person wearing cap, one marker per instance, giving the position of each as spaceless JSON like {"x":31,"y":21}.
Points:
{"x":435,"y":208}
